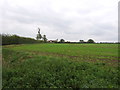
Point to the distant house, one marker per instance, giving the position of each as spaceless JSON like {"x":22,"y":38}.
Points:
{"x":53,"y":41}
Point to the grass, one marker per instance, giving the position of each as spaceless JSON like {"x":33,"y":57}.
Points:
{"x":73,"y":49}
{"x":60,"y":66}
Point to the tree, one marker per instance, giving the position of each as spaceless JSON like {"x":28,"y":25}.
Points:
{"x":90,"y":41}
{"x":44,"y":38}
{"x":62,"y":40}
{"x":81,"y":41}
{"x":56,"y":40}
{"x":39,"y":36}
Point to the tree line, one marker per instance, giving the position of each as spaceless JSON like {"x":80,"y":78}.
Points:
{"x":40,"y":37}
{"x":8,"y":39}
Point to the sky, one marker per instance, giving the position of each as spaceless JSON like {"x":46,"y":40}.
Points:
{"x":72,"y":20}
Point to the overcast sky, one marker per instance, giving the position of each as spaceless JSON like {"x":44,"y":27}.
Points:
{"x":71,"y":20}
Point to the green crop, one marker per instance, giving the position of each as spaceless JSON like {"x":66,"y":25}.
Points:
{"x":60,"y":66}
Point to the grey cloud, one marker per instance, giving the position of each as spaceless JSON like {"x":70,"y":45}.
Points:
{"x":69,"y":23}
{"x":22,"y":15}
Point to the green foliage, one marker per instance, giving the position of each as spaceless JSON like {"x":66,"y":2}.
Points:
{"x":81,"y":41}
{"x":90,"y":41}
{"x":14,"y":39}
{"x":62,"y":41}
{"x":44,"y":38}
{"x":39,"y":36}
{"x":22,"y":69}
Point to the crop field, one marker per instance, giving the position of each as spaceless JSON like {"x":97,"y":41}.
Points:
{"x":60,"y":66}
